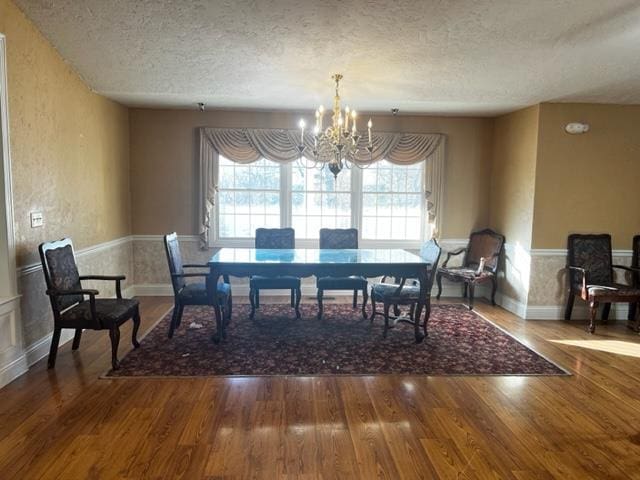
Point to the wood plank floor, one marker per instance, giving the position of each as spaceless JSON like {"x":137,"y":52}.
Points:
{"x":69,"y":424}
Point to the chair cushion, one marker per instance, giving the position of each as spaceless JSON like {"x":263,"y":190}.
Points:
{"x":462,"y":273}
{"x":624,"y":293}
{"x":265,"y":283}
{"x":197,"y":292}
{"x":108,"y":311}
{"x":387,"y":291}
{"x":342,"y":283}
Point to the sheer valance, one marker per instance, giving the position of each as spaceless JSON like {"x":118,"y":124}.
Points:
{"x":247,"y":145}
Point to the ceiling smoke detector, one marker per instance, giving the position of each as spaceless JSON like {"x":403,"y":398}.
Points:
{"x":394,"y":111}
{"x":201,"y":106}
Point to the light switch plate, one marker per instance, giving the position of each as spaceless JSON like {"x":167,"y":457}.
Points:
{"x":37,"y":220}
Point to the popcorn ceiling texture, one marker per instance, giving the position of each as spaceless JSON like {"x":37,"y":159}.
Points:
{"x":471,"y":57}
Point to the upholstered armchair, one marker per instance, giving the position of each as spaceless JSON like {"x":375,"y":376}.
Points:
{"x":77,"y":307}
{"x":406,"y":291}
{"x":485,"y":246}
{"x":341,"y":238}
{"x":193,"y":293}
{"x":591,"y":276}
{"x":274,"y":238}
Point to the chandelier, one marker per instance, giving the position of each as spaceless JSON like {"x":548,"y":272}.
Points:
{"x":338,"y":144}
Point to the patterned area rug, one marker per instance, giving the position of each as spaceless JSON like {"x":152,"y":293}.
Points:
{"x":460,"y":342}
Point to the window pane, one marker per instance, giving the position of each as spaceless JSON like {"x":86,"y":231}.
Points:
{"x":248,"y":197}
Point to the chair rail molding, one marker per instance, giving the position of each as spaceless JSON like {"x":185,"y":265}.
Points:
{"x":12,"y":357}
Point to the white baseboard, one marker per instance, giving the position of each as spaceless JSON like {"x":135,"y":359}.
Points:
{"x":511,"y":305}
{"x":13,"y":370}
{"x":556,"y":312}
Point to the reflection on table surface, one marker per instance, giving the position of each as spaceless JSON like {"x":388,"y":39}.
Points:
{"x":316,"y":256}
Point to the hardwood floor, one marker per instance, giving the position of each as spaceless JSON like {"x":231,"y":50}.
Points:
{"x":69,"y":424}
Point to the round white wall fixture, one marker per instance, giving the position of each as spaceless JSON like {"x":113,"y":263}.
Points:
{"x":576,"y":128}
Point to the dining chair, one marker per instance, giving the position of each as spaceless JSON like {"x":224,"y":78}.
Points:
{"x":591,"y":276}
{"x":70,"y":306}
{"x":274,"y":238}
{"x":193,"y":293}
{"x":406,"y":291}
{"x":479,"y":264}
{"x":341,"y":238}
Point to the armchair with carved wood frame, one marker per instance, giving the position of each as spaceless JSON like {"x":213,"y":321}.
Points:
{"x":70,"y":307}
{"x":483,"y":244}
{"x":591,"y":276}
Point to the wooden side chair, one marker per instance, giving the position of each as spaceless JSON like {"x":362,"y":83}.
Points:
{"x":274,"y":238}
{"x":341,"y":238}
{"x":484,"y":244}
{"x":70,"y":306}
{"x":635,"y":265}
{"x":591,"y":277}
{"x":406,"y":291}
{"x":194,"y":293}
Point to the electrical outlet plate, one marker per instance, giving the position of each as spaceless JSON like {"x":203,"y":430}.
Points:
{"x":37,"y":220}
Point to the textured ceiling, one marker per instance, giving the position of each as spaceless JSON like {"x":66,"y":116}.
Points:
{"x":454,"y":57}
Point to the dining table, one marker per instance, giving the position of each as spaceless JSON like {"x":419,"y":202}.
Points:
{"x":308,"y":262}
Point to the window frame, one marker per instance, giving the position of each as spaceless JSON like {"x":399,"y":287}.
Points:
{"x":286,"y":215}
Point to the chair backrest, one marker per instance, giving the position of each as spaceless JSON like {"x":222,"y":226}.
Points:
{"x":593,"y":253}
{"x":284,"y":238}
{"x":338,"y":238}
{"x":60,"y":272}
{"x":174,"y":259}
{"x":484,"y":243}
{"x":430,"y":252}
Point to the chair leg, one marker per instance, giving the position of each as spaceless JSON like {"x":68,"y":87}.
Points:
{"x":373,"y":307}
{"x":136,"y":327}
{"x":173,"y":323}
{"x":179,"y":316}
{"x":605,"y":312}
{"x":114,"y":335}
{"x":365,"y":299}
{"x":633,"y":308}
{"x":464,"y":290}
{"x":53,"y":351}
{"x":320,"y":306}
{"x":257,"y":296}
{"x":593,"y":307}
{"x":387,"y":306}
{"x":569,"y":308}
{"x":229,"y":308}
{"x":396,"y":310}
{"x":293,"y":298}
{"x":471,"y":287}
{"x":298,"y":298}
{"x":494,"y":288}
{"x":427,"y":314}
{"x":439,"y":282}
{"x":355,"y":299}
{"x":252,"y":300}
{"x":76,"y":339}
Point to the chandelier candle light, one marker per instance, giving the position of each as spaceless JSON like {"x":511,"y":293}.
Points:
{"x":337,"y":145}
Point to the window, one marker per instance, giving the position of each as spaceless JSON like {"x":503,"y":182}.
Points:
{"x":248,"y":197}
{"x":384,"y":201}
{"x":392,"y":201}
{"x":318,"y":200}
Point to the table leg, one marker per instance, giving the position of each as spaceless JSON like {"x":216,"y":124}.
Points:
{"x":212,"y":292}
{"x":423,"y":302}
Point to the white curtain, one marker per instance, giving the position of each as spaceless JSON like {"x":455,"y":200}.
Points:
{"x":247,"y":145}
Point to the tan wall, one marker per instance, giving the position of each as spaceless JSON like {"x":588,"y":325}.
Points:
{"x":587,"y":183}
{"x":515,"y":147}
{"x":69,"y":146}
{"x":164,"y":174}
